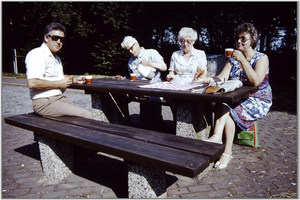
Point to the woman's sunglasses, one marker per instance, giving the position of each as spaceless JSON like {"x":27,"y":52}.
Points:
{"x":243,"y":39}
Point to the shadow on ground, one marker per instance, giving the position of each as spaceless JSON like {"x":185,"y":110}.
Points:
{"x":109,"y":172}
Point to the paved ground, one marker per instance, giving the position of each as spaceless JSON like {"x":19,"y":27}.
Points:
{"x":269,"y":171}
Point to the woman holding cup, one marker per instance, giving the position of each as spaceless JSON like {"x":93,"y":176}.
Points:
{"x":252,"y":68}
{"x":185,"y":62}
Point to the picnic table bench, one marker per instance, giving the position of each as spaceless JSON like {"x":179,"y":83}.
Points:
{"x":149,"y":154}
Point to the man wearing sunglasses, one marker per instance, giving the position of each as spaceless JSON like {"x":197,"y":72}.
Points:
{"x":47,"y":83}
{"x":46,"y":80}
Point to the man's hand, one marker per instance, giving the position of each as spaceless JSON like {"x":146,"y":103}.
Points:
{"x":79,"y":80}
{"x":64,"y":83}
{"x":145,"y":62}
{"x":159,"y":66}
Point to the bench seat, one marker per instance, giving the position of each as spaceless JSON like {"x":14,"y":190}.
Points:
{"x":179,"y":155}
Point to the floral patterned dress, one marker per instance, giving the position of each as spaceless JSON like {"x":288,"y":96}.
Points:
{"x":257,"y":105}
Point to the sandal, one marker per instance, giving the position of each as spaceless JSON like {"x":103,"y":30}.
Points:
{"x":218,"y":165}
{"x":218,"y":142}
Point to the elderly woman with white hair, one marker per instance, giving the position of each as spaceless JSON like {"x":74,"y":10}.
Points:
{"x":185,"y":62}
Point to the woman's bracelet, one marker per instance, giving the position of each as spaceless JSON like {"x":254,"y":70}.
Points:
{"x":216,"y":79}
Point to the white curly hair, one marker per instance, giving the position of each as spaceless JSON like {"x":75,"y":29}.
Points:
{"x":128,"y":40}
{"x":187,"y":33}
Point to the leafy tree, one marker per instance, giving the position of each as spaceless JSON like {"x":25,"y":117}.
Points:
{"x":96,"y":29}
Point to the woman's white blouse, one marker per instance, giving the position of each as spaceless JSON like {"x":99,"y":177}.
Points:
{"x":187,"y":68}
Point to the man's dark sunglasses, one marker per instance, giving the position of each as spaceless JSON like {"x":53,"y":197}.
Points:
{"x":55,"y":38}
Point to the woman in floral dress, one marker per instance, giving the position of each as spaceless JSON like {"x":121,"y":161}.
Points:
{"x":252,"y":68}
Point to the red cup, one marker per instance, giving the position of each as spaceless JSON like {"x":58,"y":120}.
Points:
{"x":133,"y":77}
{"x":88,"y":79}
{"x":228,"y":52}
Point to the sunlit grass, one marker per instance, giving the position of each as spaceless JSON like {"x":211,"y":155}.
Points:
{"x":23,"y":75}
{"x":13,"y":75}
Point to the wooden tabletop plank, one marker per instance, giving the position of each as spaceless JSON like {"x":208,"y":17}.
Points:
{"x":130,"y":87}
{"x":210,"y":149}
{"x":153,"y":155}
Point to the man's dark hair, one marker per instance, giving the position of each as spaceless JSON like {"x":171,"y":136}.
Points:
{"x":55,"y":26}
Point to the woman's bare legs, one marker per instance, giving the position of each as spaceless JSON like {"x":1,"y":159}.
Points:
{"x":222,"y":113}
{"x":224,"y":123}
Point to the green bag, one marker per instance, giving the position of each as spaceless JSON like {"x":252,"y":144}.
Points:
{"x":248,"y":138}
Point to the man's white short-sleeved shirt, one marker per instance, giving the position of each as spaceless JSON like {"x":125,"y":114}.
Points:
{"x":149,"y":54}
{"x":42,"y":64}
{"x":182,"y":66}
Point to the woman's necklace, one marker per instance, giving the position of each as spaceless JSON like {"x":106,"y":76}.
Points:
{"x":187,"y":56}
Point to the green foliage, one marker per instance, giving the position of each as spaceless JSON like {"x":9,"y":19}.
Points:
{"x":96,"y":29}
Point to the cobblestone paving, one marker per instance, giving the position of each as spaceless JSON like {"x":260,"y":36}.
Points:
{"x":269,"y":171}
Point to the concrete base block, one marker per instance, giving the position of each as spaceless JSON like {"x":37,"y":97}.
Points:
{"x":146,"y":182}
{"x":205,"y":172}
{"x":97,"y":111}
{"x":215,"y":64}
{"x":191,"y":121}
{"x":56,"y":158}
{"x":111,"y":108}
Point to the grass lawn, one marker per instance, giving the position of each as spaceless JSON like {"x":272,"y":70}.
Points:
{"x":23,"y":76}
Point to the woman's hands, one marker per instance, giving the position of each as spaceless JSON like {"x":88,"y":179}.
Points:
{"x":170,"y":76}
{"x":239,"y":56}
{"x":204,"y":80}
{"x":200,"y":73}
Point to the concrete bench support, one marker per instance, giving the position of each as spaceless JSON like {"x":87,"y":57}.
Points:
{"x":150,"y":155}
{"x":146,"y":182}
{"x":56,"y":158}
{"x":57,"y":163}
{"x":215,"y":64}
{"x":191,"y":120}
{"x":111,"y":108}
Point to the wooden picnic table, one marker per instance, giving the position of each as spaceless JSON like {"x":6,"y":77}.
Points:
{"x":193,"y":110}
{"x":127,"y":86}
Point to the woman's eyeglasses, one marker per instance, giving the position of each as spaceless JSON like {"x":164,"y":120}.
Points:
{"x":56,"y":38}
{"x":186,"y":41}
{"x":243,"y":39}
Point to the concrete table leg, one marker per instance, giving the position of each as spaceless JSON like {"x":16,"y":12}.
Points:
{"x":144,"y":115}
{"x":56,"y":158}
{"x":146,"y":182}
{"x":193,"y":120}
{"x":111,"y":108}
{"x":97,"y":110}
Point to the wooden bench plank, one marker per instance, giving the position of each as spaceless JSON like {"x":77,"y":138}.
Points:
{"x":210,"y":149}
{"x":142,"y":152}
